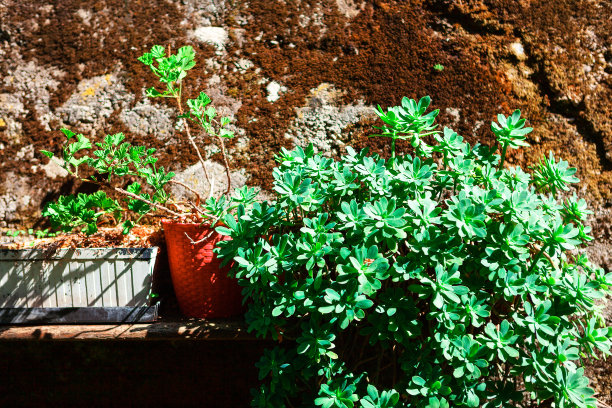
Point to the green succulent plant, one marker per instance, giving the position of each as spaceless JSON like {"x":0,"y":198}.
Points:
{"x":435,"y":280}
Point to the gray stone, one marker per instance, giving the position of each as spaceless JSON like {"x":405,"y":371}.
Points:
{"x":145,"y":119}
{"x":53,"y":170}
{"x":12,"y":112}
{"x":94,"y":100}
{"x":321,"y":122}
{"x":35,"y":84}
{"x":274,"y":90}
{"x":17,"y":198}
{"x":350,"y":8}
{"x":194,"y":177}
{"x":216,"y":36}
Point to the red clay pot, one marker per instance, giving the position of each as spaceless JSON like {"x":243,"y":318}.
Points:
{"x":202,"y":287}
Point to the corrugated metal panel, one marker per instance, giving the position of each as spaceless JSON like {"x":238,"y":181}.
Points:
{"x":96,"y":277}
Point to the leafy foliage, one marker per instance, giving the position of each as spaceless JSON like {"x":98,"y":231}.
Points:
{"x":46,"y":233}
{"x":435,"y":280}
{"x":70,"y":212}
{"x":409,"y":122}
{"x":170,"y":70}
{"x":204,"y":115}
{"x":108,"y":159}
{"x":113,"y":158}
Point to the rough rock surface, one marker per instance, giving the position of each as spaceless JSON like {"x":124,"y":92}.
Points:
{"x":291,"y":72}
{"x":194,"y":177}
{"x":322,"y":121}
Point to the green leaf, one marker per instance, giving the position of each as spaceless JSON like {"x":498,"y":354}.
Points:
{"x":146,"y":58}
{"x":47,"y":153}
{"x":153,"y":93}
{"x":157,"y":52}
{"x":68,"y":133}
{"x":127,"y":227}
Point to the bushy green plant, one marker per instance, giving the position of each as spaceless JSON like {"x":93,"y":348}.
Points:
{"x":434,"y":280}
{"x":32,"y":232}
{"x":107,"y":162}
{"x":112,"y":159}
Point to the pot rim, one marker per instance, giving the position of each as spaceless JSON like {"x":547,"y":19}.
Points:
{"x":167,"y":221}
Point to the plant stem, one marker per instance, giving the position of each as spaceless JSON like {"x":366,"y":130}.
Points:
{"x":119,"y":190}
{"x":225,"y":162}
{"x":124,"y":192}
{"x":537,"y":258}
{"x":144,"y":200}
{"x":208,"y":235}
{"x":193,"y":144}
{"x":362,"y":362}
{"x":378,"y":363}
{"x":503,"y":157}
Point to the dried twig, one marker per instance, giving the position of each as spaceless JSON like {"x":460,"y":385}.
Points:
{"x":194,"y":145}
{"x":552,"y":262}
{"x":144,"y":200}
{"x":602,"y":404}
{"x":180,"y":183}
{"x":207,"y":236}
{"x":198,"y":210}
{"x":212,"y":186}
{"x":191,"y":140}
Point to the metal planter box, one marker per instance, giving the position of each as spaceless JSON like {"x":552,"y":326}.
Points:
{"x":93,"y":285}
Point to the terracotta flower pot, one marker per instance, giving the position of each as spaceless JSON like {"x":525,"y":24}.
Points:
{"x":202,"y":287}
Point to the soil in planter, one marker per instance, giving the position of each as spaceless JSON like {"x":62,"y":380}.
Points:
{"x":140,"y":237}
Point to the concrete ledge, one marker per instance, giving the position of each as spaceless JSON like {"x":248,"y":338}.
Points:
{"x":194,"y":329}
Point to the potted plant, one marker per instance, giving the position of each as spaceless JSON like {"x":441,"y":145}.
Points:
{"x":83,"y":285}
{"x":202,"y":286}
{"x":203,"y":289}
{"x":53,"y":277}
{"x":86,"y":282}
{"x":435,"y":279}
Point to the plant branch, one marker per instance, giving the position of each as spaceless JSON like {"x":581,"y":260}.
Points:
{"x":195,"y":207}
{"x":212,"y":186}
{"x":180,"y":183}
{"x":193,"y":143}
{"x":225,"y":162}
{"x":195,"y":146}
{"x":144,"y":200}
{"x":537,"y":258}
{"x":207,"y":236}
{"x":122,"y":191}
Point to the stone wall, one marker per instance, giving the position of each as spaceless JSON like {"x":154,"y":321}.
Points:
{"x":298,"y":71}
